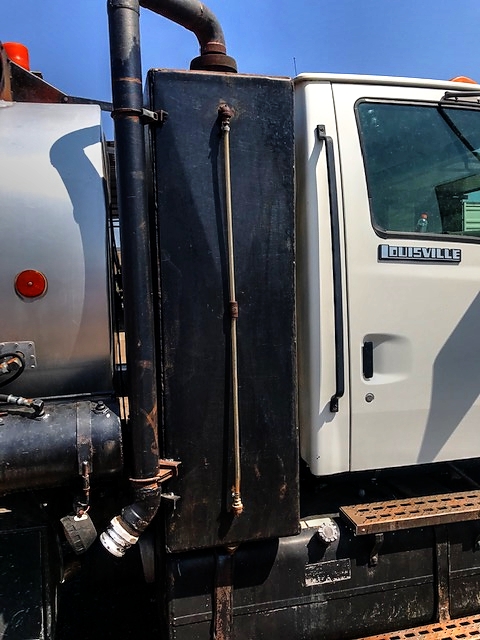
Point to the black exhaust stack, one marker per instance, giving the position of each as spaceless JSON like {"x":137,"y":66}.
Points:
{"x":196,"y":17}
{"x":128,"y":114}
{"x":123,"y":16}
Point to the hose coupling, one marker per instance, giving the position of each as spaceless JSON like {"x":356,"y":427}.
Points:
{"x":117,"y":539}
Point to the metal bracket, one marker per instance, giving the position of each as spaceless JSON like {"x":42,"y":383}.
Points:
{"x":84,"y":449}
{"x":104,"y":106}
{"x":25,"y":347}
{"x":153,"y":117}
{"x":373,"y":560}
{"x":168,"y":469}
{"x":171,"y":497}
{"x":321,"y":132}
{"x":146,"y":116}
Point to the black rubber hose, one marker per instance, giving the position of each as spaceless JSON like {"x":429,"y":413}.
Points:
{"x":20,"y":370}
{"x":137,"y":516}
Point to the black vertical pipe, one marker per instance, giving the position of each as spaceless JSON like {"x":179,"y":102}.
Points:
{"x":123,"y":18}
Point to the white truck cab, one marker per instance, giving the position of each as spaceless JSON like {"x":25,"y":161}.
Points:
{"x":399,"y":213}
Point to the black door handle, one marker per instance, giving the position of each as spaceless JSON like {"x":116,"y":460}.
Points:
{"x":367,"y":358}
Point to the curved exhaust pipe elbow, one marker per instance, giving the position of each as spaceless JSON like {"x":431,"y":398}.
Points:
{"x":196,"y":17}
{"x":124,"y":530}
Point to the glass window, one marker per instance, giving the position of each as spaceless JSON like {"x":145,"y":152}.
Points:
{"x":423,"y":167}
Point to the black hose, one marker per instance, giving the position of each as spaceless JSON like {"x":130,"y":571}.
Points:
{"x":20,"y":370}
{"x":137,"y":516}
{"x":124,"y":530}
{"x":34,"y":406}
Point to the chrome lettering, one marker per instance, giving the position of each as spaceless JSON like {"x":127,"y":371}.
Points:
{"x":400,"y":253}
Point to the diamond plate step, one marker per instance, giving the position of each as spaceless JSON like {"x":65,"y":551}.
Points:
{"x":461,"y":629}
{"x":392,"y":515}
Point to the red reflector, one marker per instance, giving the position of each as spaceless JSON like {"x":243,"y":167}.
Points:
{"x":30,"y":283}
{"x":18,"y":53}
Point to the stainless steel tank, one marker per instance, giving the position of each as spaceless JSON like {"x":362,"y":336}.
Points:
{"x":53,"y":248}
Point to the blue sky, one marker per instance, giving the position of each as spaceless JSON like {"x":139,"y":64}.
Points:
{"x":68,"y":40}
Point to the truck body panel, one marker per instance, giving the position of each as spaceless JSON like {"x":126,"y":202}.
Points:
{"x":419,"y":402}
{"x":265,"y":398}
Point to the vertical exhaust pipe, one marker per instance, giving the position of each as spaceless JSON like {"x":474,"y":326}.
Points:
{"x":124,"y":530}
{"x":124,"y":31}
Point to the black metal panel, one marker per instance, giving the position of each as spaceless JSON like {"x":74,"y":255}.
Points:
{"x":21,"y":585}
{"x":188,"y":156}
{"x":300,"y":587}
{"x":464,"y":569}
{"x":30,"y":567}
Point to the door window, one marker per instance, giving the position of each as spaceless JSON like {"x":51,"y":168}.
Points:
{"x":423,"y":167}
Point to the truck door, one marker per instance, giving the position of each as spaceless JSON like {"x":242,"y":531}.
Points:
{"x":411,"y":199}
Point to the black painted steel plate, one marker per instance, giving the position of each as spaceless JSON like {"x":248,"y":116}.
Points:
{"x":193,"y":304}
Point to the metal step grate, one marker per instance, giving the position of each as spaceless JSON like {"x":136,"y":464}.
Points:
{"x":461,"y":629}
{"x":392,"y":515}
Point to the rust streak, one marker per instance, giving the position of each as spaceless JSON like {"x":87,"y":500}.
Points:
{"x":151,"y":417}
{"x":129,"y":79}
{"x":146,"y":364}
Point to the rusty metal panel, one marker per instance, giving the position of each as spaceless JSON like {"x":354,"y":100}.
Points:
{"x":393,"y":515}
{"x":195,"y":352}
